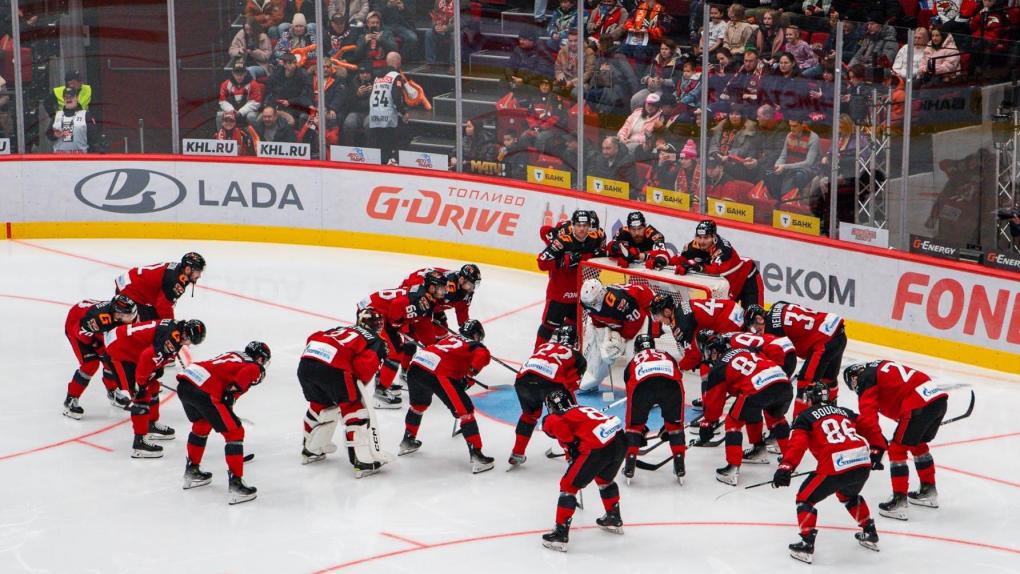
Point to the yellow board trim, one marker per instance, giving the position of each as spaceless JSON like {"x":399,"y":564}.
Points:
{"x":884,"y":336}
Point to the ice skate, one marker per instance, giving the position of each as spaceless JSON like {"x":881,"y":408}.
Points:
{"x":159,"y":431}
{"x":868,"y":536}
{"x":772,"y":445}
{"x":72,"y":409}
{"x":195,"y":476}
{"x":408,"y":445}
{"x":239,"y":491}
{"x":479,"y":462}
{"x":144,"y":449}
{"x":363,"y":469}
{"x":805,"y":549}
{"x":558,"y":538}
{"x":679,"y":468}
{"x":629,"y":464}
{"x":895,"y":507}
{"x":756,"y":454}
{"x":927,"y":495}
{"x":515,"y":461}
{"x":308,"y":457}
{"x":119,"y":399}
{"x":384,"y":399}
{"x":611,"y":522}
{"x":728,"y":474}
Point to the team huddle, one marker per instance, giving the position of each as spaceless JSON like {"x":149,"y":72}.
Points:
{"x":745,"y":355}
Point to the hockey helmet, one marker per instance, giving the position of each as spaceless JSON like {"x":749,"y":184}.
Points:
{"x":592,"y":293}
{"x":636,"y":219}
{"x":751,"y":315}
{"x":258,"y":350}
{"x":704,"y":336}
{"x":817,"y":393}
{"x":370,"y":320}
{"x":714,"y":344}
{"x":559,"y":402}
{"x":581,"y":217}
{"x":470,"y":272}
{"x":643,"y":342}
{"x":472,"y":329}
{"x":565,"y":335}
{"x":706,"y":227}
{"x":124,"y":305}
{"x":194,"y":330}
{"x":660,"y":303}
{"x":851,"y":373}
{"x":193,"y":260}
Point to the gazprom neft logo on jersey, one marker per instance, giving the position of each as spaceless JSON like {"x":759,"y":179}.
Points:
{"x":140,"y":191}
{"x":928,"y":390}
{"x":541,"y":367}
{"x":851,"y":458}
{"x":427,"y":359}
{"x":652,"y":368}
{"x":130,"y":191}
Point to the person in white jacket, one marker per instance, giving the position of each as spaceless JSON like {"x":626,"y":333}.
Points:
{"x":900,"y":64}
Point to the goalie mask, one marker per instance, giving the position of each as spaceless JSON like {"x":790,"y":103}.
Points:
{"x":593,"y":292}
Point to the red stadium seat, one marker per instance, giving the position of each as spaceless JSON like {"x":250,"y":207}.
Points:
{"x":819,"y":38}
{"x":644,"y":172}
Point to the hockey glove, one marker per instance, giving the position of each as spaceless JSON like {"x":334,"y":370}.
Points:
{"x":782,"y":477}
{"x":657,"y":259}
{"x":876,"y":458}
{"x":705,"y":432}
{"x":623,"y":262}
{"x":613,"y":346}
{"x":571,"y":259}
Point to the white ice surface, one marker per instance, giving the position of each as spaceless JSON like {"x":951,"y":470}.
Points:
{"x":84,"y":506}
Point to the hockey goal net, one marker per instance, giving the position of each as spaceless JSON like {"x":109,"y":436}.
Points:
{"x":680,"y":288}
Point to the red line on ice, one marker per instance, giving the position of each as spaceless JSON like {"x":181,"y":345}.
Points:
{"x":93,"y":445}
{"x":460,"y":541}
{"x":77,"y":438}
{"x":978,"y":439}
{"x":513,"y":311}
{"x":976,"y":475}
{"x":404,"y":540}
{"x":36,"y":299}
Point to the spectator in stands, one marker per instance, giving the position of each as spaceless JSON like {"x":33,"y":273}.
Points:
{"x":733,"y":141}
{"x":990,"y":28}
{"x":644,"y":30}
{"x":721,"y":185}
{"x":641,"y":123}
{"x":746,"y":86}
{"x":268,"y":13}
{"x":343,"y":39}
{"x":807,"y":60}
{"x":941,"y":60}
{"x":546,"y":117}
{"x":853,"y":32}
{"x":240,"y":93}
{"x":294,"y":7}
{"x":738,"y":33}
{"x":878,"y":46}
{"x":614,"y":162}
{"x":687,"y":94}
{"x":513,"y":155}
{"x":352,"y":10}
{"x":478,"y":147}
{"x":565,"y":68}
{"x":720,"y":74}
{"x":665,"y":168}
{"x":295,"y":38}
{"x":375,"y":44}
{"x":246,"y":138}
{"x":335,"y":97}
{"x":716,"y":31}
{"x":783,"y":88}
{"x":659,"y":76}
{"x":688,"y":176}
{"x":387,"y":116}
{"x":439,"y":38}
{"x":797,"y":162}
{"x":858,"y":95}
{"x":72,"y":80}
{"x":564,"y":19}
{"x":529,"y":63}
{"x":612,"y":84}
{"x":916,"y":69}
{"x":607,"y":19}
{"x":772,"y":132}
{"x":770,"y":37}
{"x":5,"y":115}
{"x":271,"y":127}
{"x":821,"y":95}
{"x":74,"y":129}
{"x":355,"y":123}
{"x":953,"y":16}
{"x":289,"y":90}
{"x":399,"y":18}
{"x":251,"y":45}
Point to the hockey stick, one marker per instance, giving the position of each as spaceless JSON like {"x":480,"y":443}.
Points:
{"x":756,"y":485}
{"x":614,"y":404}
{"x":649,"y":466}
{"x":970,"y":409}
{"x":494,"y":358}
{"x":550,"y":454}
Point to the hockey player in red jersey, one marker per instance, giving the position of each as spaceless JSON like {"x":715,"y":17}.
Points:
{"x":139,"y":353}
{"x":618,"y":313}
{"x":635,"y":241}
{"x":208,"y":391}
{"x":595,"y":448}
{"x":556,"y":365}
{"x":818,"y":337}
{"x":843,"y":467}
{"x":719,"y":315}
{"x":561,"y":259}
{"x":653,"y":379}
{"x":460,"y":290}
{"x":446,"y":369}
{"x":84,"y":328}
{"x":335,"y":369}
{"x":780,"y":351}
{"x":156,"y":288}
{"x":918,"y":406}
{"x":711,"y":254}
{"x":407,"y":319}
{"x":759,"y":385}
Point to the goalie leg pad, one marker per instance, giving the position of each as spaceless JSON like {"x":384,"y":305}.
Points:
{"x":319,"y":439}
{"x":598,"y":370}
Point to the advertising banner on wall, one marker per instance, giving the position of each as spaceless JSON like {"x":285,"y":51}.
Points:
{"x":424,"y":160}
{"x":945,"y":301}
{"x":209,"y":147}
{"x":863,"y":234}
{"x":549,"y":176}
{"x":280,"y":150}
{"x":5,"y":146}
{"x":668,"y":198}
{"x":355,"y":154}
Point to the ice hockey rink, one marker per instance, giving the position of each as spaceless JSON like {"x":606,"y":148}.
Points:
{"x":73,"y":501}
